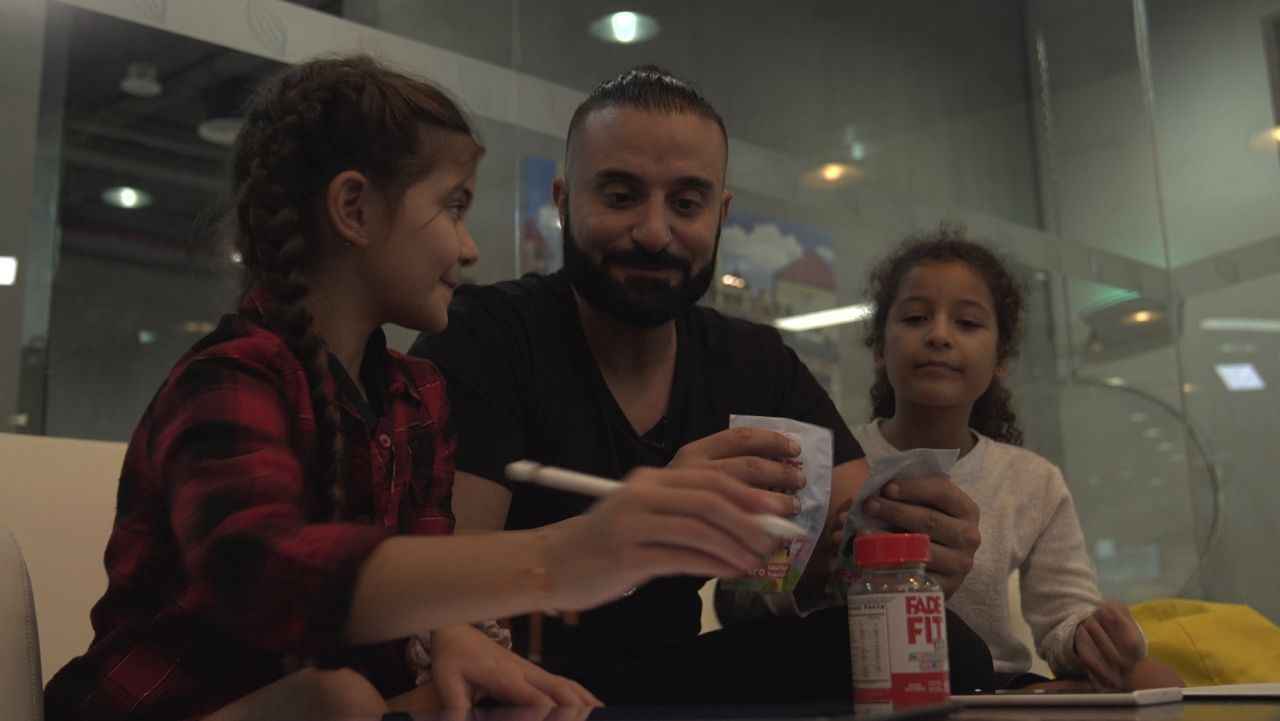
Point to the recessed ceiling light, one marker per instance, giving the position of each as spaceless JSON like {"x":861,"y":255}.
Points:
{"x":219,"y":131}
{"x":825,"y":318}
{"x":126,"y":197}
{"x":1140,"y":317}
{"x":733,"y":281}
{"x":1240,"y":376}
{"x":195,"y":326}
{"x":1248,"y":325}
{"x":8,"y":269}
{"x":831,"y":175}
{"x":1266,"y":141}
{"x":140,"y":81}
{"x":625,"y":27}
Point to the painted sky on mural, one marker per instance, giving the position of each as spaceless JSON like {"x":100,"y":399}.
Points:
{"x":755,"y":246}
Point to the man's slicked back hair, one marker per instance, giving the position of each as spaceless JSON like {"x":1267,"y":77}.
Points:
{"x":649,"y":88}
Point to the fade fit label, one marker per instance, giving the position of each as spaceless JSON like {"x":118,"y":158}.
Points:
{"x":898,"y":643}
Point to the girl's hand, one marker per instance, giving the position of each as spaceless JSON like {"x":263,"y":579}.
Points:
{"x":467,"y":666}
{"x":660,"y":523}
{"x":1110,"y":644}
{"x":940,"y":509}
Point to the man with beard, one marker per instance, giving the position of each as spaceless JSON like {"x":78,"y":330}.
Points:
{"x":609,"y":364}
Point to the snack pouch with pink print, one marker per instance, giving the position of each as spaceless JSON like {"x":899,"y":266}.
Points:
{"x":782,"y":570}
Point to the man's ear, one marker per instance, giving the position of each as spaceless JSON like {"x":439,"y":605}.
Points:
{"x":724,"y":206}
{"x":349,"y":205}
{"x":560,"y":196}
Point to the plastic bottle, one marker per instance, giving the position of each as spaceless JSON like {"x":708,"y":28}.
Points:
{"x":897,"y":626}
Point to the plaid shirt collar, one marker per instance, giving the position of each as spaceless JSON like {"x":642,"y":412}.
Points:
{"x":374,"y":367}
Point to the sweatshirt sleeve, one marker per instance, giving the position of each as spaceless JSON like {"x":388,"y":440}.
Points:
{"x":1058,"y":585}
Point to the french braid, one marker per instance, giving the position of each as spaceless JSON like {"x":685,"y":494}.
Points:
{"x":303,"y":127}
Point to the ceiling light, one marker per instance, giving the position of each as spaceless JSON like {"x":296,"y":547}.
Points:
{"x":8,"y":269}
{"x":140,"y":81}
{"x":1250,"y":325}
{"x":126,"y":197}
{"x":236,"y":257}
{"x":1267,"y":140}
{"x":146,"y":337}
{"x":831,"y":175}
{"x":1114,"y":381}
{"x":1141,"y":316}
{"x":196,"y":326}
{"x":1237,"y":348}
{"x":219,"y":131}
{"x":625,"y":28}
{"x":1240,"y":376}
{"x":733,"y":281}
{"x":825,"y":318}
{"x":1190,"y":387}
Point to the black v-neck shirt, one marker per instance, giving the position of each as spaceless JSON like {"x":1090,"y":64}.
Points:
{"x":523,"y":384}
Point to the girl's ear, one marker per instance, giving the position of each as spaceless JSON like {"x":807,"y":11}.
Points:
{"x":1002,"y":369}
{"x":877,"y":354}
{"x":349,"y":206}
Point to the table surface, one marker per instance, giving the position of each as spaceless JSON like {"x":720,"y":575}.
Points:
{"x":1264,"y":710}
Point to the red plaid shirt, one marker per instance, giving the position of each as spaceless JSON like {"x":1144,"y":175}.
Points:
{"x":216,"y":570}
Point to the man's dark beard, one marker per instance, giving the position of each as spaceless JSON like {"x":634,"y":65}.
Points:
{"x":640,"y":302}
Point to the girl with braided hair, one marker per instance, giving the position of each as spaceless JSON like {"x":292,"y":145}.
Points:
{"x":283,"y":514}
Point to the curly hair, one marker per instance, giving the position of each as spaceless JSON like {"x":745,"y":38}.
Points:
{"x":302,"y":127}
{"x":992,"y":413}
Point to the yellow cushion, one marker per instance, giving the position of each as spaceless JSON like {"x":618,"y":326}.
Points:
{"x":1211,"y":643}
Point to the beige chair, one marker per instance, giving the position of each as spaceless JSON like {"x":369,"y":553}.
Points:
{"x":58,"y":497}
{"x":20,"y":678}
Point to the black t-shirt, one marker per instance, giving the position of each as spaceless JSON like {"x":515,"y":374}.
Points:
{"x":523,"y":384}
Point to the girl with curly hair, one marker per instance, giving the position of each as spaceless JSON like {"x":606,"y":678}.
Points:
{"x":946,"y":325}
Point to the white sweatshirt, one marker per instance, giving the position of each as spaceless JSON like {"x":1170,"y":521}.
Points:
{"x":1029,"y":523}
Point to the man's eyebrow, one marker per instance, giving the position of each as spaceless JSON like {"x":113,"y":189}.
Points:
{"x":613,"y":175}
{"x":617,"y":175}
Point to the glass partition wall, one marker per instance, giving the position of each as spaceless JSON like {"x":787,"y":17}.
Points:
{"x":1121,"y":153}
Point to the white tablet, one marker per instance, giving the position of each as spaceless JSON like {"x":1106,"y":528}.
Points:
{"x":1053,"y":697}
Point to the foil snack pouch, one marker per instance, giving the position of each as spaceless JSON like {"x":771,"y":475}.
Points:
{"x":782,"y":570}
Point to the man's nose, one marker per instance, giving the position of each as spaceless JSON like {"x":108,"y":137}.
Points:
{"x":652,"y":229}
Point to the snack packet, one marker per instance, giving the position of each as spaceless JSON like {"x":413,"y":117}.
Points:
{"x":784,"y":567}
{"x":918,"y":463}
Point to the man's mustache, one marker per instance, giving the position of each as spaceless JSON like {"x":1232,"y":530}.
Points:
{"x":639,"y":258}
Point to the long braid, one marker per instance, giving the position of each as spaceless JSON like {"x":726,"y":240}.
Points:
{"x":274,"y":245}
{"x":303,"y":127}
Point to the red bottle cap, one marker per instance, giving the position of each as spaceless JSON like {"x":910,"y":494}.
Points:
{"x":890,"y":549}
